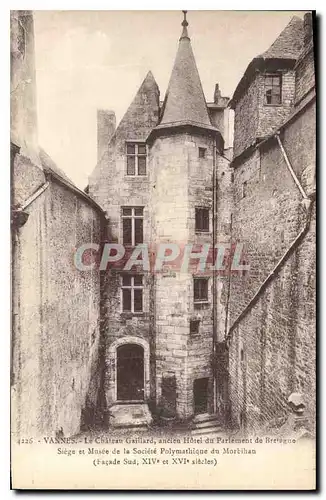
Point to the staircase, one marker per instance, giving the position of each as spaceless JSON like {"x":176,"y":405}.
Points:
{"x":206,"y":424}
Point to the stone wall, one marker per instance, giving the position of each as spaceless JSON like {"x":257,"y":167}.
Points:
{"x":272,"y":348}
{"x":254,"y":118}
{"x":112,"y":189}
{"x":182,"y":181}
{"x":56,"y":332}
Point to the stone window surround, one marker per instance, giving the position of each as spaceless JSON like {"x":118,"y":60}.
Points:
{"x":132,"y":287}
{"x":136,"y":143}
{"x":280,"y":77}
{"x":112,"y":354}
{"x":132,"y":216}
{"x":200,"y":230}
{"x":203,"y":301}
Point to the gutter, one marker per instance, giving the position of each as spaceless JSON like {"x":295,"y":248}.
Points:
{"x":307,"y":203}
{"x":19,"y":216}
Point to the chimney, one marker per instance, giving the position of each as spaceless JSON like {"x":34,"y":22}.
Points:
{"x":217,"y":93}
{"x":307,"y":28}
{"x":106,"y":123}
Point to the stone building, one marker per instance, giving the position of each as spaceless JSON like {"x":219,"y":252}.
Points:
{"x":132,"y":342}
{"x":271,"y":332}
{"x":154,"y":179}
{"x":55,"y":365}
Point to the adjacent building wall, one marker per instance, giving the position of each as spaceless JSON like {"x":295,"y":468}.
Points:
{"x":272,"y":349}
{"x":55,"y":307}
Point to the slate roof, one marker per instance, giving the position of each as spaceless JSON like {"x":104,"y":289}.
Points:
{"x":285,"y":49}
{"x":185,"y":102}
{"x":289,"y":43}
{"x":50,"y":168}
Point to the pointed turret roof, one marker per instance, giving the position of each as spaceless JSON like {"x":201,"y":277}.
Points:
{"x":184,"y":100}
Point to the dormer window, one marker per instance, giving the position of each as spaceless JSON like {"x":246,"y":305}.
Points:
{"x":273,"y":89}
{"x":136,"y":158}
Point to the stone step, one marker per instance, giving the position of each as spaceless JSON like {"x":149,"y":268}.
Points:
{"x":209,"y":423}
{"x":204,"y":417}
{"x":213,"y":429}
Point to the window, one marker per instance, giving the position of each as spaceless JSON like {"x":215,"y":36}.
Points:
{"x":273,"y":89}
{"x":132,"y":225}
{"x":194,"y":326}
{"x":202,"y":220}
{"x":244,"y":189}
{"x":136,"y":159}
{"x":200,"y":290}
{"x":202,"y":152}
{"x":132,"y":293}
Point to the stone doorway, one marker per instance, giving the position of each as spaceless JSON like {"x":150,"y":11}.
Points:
{"x":130,"y":372}
{"x":201,"y":395}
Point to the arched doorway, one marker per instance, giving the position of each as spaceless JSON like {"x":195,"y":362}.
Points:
{"x":130,"y":372}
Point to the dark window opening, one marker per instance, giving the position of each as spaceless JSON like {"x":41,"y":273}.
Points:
{"x":273,"y":89}
{"x":132,"y":225}
{"x":200,"y":290}
{"x":132,"y":293}
{"x":136,"y":159}
{"x":194,"y":327}
{"x":202,"y":152}
{"x":244,"y":189}
{"x":202,"y":220}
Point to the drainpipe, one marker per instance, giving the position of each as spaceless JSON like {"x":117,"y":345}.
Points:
{"x":214,"y":284}
{"x":307,"y":203}
{"x":288,"y":164}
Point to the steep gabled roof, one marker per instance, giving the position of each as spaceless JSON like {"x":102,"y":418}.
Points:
{"x":283,"y":52}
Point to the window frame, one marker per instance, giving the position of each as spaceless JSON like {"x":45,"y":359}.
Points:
{"x":202,"y":300}
{"x":268,"y":87}
{"x":197,"y":230}
{"x":244,"y":189}
{"x":132,"y":287}
{"x":202,"y":152}
{"x":133,"y":217}
{"x":194,"y":322}
{"x":136,"y":155}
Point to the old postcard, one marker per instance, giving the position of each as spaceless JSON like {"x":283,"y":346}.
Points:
{"x":163,"y":222}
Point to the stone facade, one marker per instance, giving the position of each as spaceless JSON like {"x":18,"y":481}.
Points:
{"x":55,"y":364}
{"x":254,"y":118}
{"x":250,"y":342}
{"x":272,"y":329}
{"x":177,"y":181}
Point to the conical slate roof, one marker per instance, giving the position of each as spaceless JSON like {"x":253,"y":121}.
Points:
{"x":185,"y":101}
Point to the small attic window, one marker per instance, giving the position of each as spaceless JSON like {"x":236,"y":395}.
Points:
{"x":273,"y":89}
{"x":202,"y":152}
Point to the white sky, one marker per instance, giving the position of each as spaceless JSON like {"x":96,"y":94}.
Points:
{"x":87,"y":60}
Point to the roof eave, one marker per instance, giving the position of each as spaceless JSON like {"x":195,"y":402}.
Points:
{"x":186,"y":127}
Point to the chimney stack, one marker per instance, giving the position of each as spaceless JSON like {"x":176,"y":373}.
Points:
{"x":307,"y":27}
{"x":106,"y":124}
{"x":217,"y":93}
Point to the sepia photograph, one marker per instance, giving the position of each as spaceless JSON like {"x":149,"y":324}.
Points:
{"x":163,"y":249}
